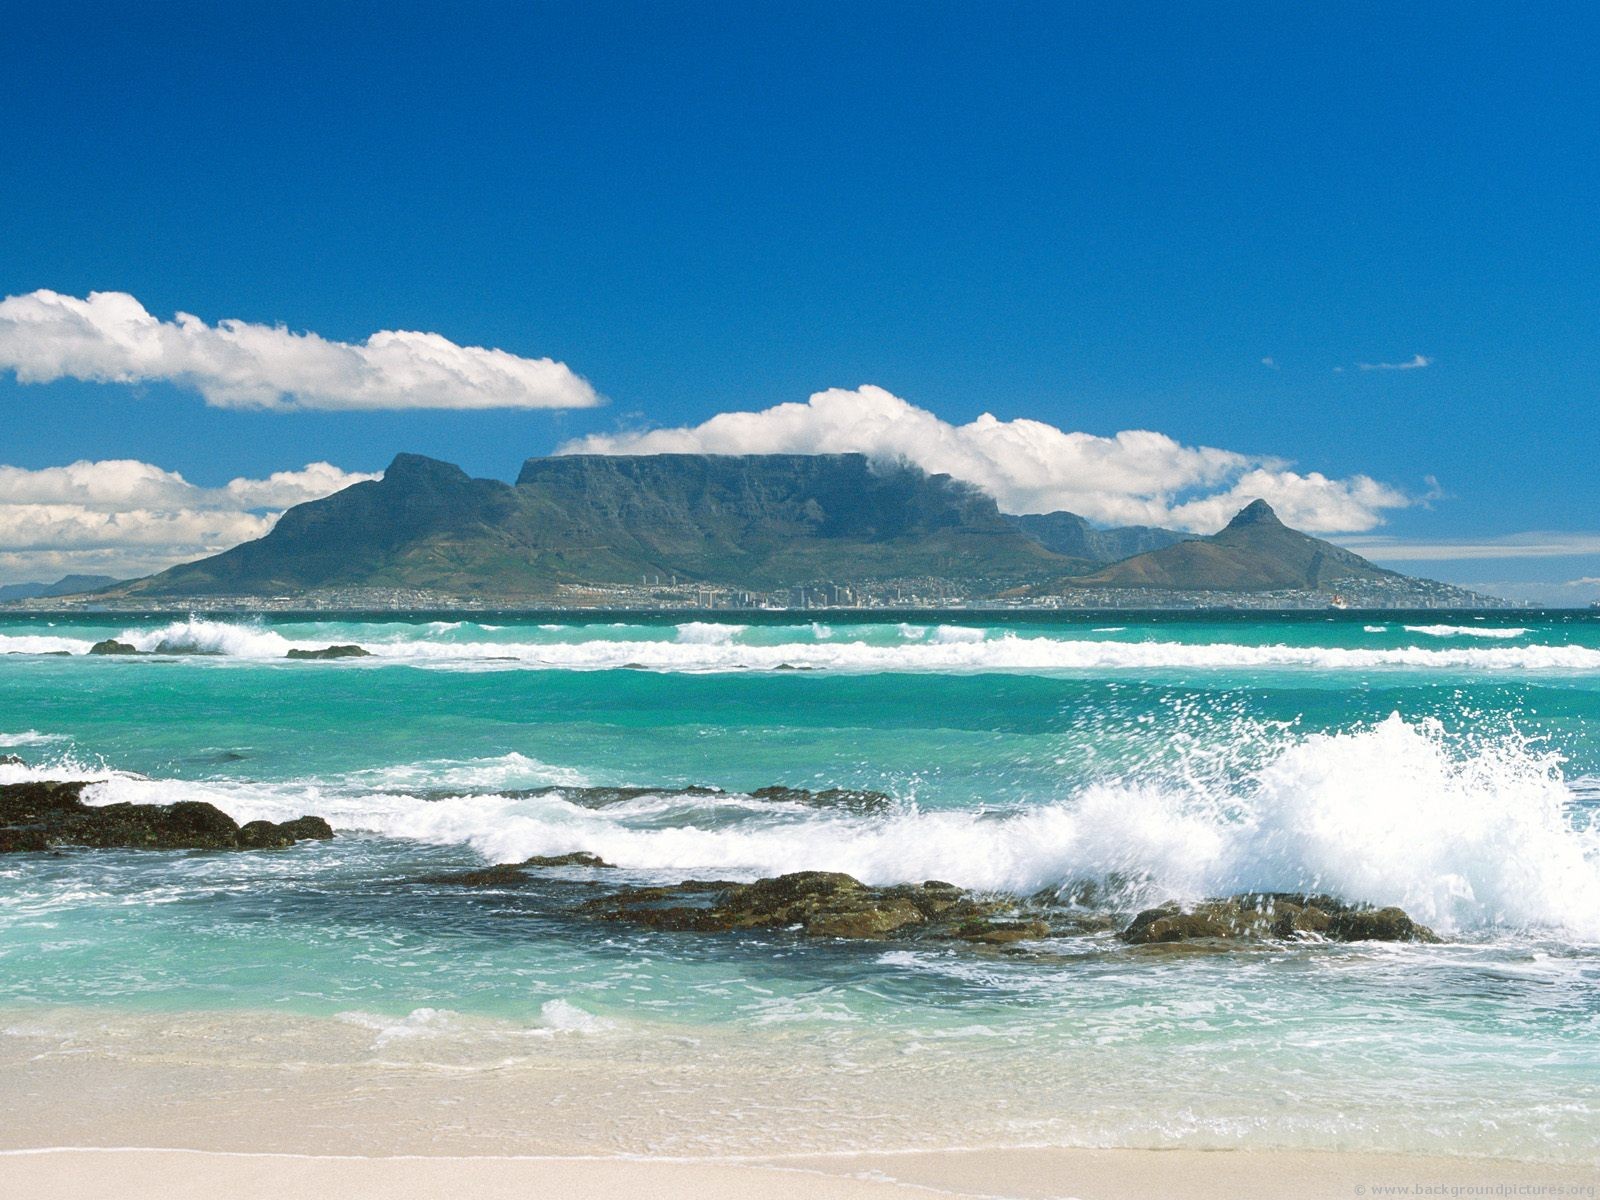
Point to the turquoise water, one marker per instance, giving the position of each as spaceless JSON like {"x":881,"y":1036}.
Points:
{"x":1449,"y":763}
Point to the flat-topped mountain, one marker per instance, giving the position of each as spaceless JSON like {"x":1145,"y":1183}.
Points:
{"x":758,"y":521}
{"x":1255,"y":552}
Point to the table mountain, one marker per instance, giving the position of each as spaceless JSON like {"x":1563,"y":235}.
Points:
{"x":759,"y":521}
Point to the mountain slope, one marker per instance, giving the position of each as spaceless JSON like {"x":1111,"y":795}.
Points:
{"x":1256,"y":552}
{"x":744,"y":520}
{"x":1069,"y":534}
{"x":67,"y":585}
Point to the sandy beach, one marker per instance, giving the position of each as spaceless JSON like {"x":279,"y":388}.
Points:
{"x":70,"y":1174}
{"x":250,"y":1106}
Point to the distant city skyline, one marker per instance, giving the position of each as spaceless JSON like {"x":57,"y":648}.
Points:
{"x":1143,"y":265}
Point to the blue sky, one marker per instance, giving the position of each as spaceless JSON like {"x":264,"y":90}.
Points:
{"x":1102,"y":217}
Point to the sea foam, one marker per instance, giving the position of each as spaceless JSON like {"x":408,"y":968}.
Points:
{"x":715,"y":647}
{"x":1470,"y":837}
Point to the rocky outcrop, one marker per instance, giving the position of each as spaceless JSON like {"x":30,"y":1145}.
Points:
{"x":42,"y":816}
{"x":1257,"y":916}
{"x":345,"y":651}
{"x":112,"y":646}
{"x":820,"y":904}
{"x":510,"y":875}
{"x":269,"y":835}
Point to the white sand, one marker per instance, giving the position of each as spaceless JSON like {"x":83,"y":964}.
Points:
{"x":1085,"y":1174}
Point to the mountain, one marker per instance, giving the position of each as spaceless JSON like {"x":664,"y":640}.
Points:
{"x":67,"y":585}
{"x":1069,"y":534}
{"x":1256,"y":552}
{"x":756,"y":521}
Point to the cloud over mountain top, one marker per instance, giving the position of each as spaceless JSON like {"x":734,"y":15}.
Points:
{"x":1137,"y":477}
{"x":110,"y":338}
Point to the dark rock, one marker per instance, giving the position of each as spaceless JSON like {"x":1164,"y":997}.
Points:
{"x":818,"y":904}
{"x":498,"y":876}
{"x":112,"y":646}
{"x":1257,"y":916}
{"x":345,"y":651}
{"x":1002,"y":933}
{"x":266,"y":835}
{"x":1378,"y":925}
{"x":515,"y":874}
{"x":11,"y":760}
{"x":38,"y":816}
{"x":577,"y":858}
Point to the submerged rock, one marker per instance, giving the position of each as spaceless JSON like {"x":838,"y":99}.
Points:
{"x":819,"y":904}
{"x":1257,"y":916}
{"x":344,"y":651}
{"x":112,"y":646}
{"x":849,"y":799}
{"x":41,"y":816}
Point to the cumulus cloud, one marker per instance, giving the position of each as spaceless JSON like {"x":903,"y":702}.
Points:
{"x":110,"y":338}
{"x":124,"y":517}
{"x":1133,"y":477}
{"x":1415,"y":363}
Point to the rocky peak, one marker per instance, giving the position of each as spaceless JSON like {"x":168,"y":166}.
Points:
{"x":1257,"y":512}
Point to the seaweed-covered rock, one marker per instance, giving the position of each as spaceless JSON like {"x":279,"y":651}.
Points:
{"x":1378,"y":925}
{"x":269,"y":835}
{"x":818,"y":904}
{"x":112,"y":646}
{"x":1258,"y":916}
{"x":576,"y":858}
{"x":343,"y":651}
{"x":40,"y":816}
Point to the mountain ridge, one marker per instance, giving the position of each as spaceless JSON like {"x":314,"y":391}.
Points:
{"x":748,"y":520}
{"x":1254,"y":552}
{"x":605,"y":524}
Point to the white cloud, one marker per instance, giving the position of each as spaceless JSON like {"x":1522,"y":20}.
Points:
{"x":1134,"y":477}
{"x":1534,"y":544}
{"x":1415,"y":363}
{"x":1571,"y":593}
{"x":123,"y":517}
{"x":111,"y":338}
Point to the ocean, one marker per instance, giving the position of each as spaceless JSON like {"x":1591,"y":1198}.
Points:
{"x":1448,"y":763}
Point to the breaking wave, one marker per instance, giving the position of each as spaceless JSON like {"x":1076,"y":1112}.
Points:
{"x":1478,"y":631}
{"x":716,"y":647}
{"x":1470,"y":836}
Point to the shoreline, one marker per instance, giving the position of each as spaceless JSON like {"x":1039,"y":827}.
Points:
{"x":80,"y":1173}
